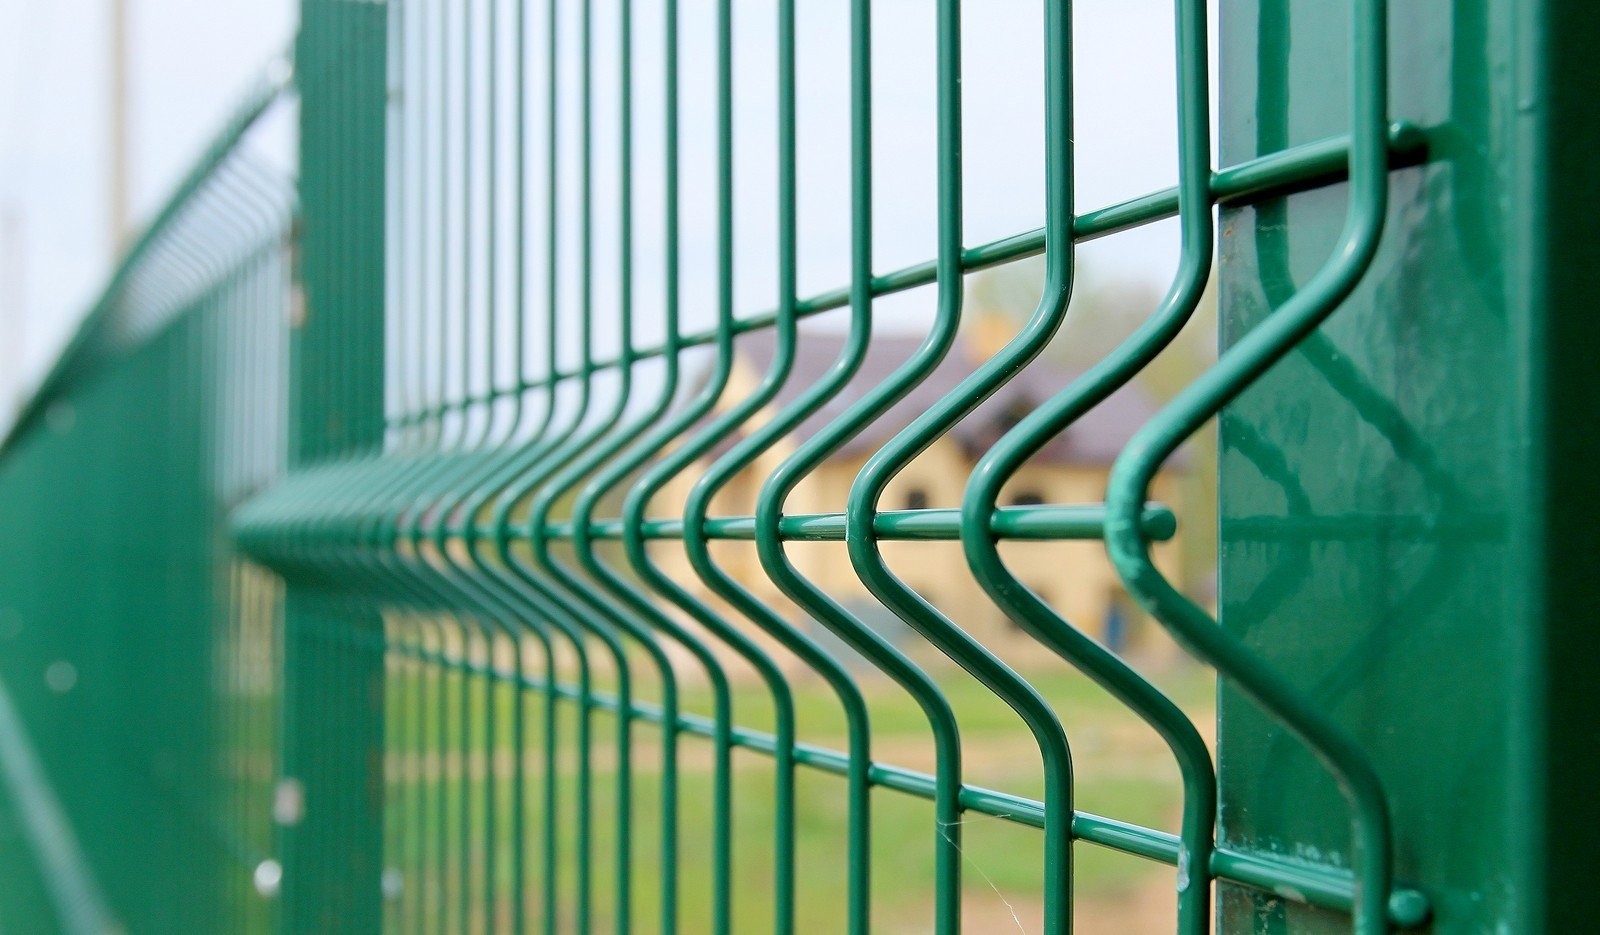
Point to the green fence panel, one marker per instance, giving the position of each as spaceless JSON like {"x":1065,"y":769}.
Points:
{"x":139,"y":672}
{"x":414,"y":544}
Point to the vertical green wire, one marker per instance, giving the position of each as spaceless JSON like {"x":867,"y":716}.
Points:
{"x":947,"y":749}
{"x":523,"y":589}
{"x":647,"y":439}
{"x":511,"y":590}
{"x":1040,"y":426}
{"x":639,"y":494}
{"x":331,"y":260}
{"x":491,"y":254}
{"x":397,"y":332}
{"x":821,"y":606}
{"x":655,"y":478}
{"x":423,"y":432}
{"x":882,"y":466}
{"x":441,"y":288}
{"x":566,"y":443}
{"x":455,"y":482}
{"x":519,"y":905}
{"x":462,"y":617}
{"x":345,"y":352}
{"x":409,"y":327}
{"x":580,"y":456}
{"x":706,"y":487}
{"x":603,"y":444}
{"x":584,"y":712}
{"x":416,"y":483}
{"x":365,"y":279}
{"x":459,"y":485}
{"x":402,"y":708}
{"x":808,"y":455}
{"x":862,"y":503}
{"x":212,"y":293}
{"x":303,"y":449}
{"x":1204,"y":397}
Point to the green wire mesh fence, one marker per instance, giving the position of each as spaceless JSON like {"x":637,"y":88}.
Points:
{"x":434,"y":562}
{"x":139,"y":762}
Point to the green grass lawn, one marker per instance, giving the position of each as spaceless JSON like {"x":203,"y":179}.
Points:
{"x":1121,"y":769}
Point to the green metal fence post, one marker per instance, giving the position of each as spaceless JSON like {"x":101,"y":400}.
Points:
{"x":331,"y":857}
{"x":1560,"y":284}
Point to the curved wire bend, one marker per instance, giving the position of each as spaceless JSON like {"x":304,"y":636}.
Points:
{"x":881,"y":468}
{"x":1036,"y":429}
{"x":1234,"y":371}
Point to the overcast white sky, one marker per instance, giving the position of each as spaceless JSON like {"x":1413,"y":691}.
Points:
{"x":190,"y":59}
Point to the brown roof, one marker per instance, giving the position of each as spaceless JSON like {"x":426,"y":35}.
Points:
{"x":1095,"y":439}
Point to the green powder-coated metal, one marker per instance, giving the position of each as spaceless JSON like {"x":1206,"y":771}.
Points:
{"x":391,"y":549}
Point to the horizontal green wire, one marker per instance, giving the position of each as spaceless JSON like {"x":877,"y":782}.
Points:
{"x":1320,"y":162}
{"x":1316,"y":886}
{"x":1039,"y":523}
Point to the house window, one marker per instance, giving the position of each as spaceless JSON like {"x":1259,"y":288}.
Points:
{"x":1027,"y":498}
{"x":916,"y":499}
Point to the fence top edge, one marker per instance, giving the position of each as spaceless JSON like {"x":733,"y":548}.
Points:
{"x":273,"y":82}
